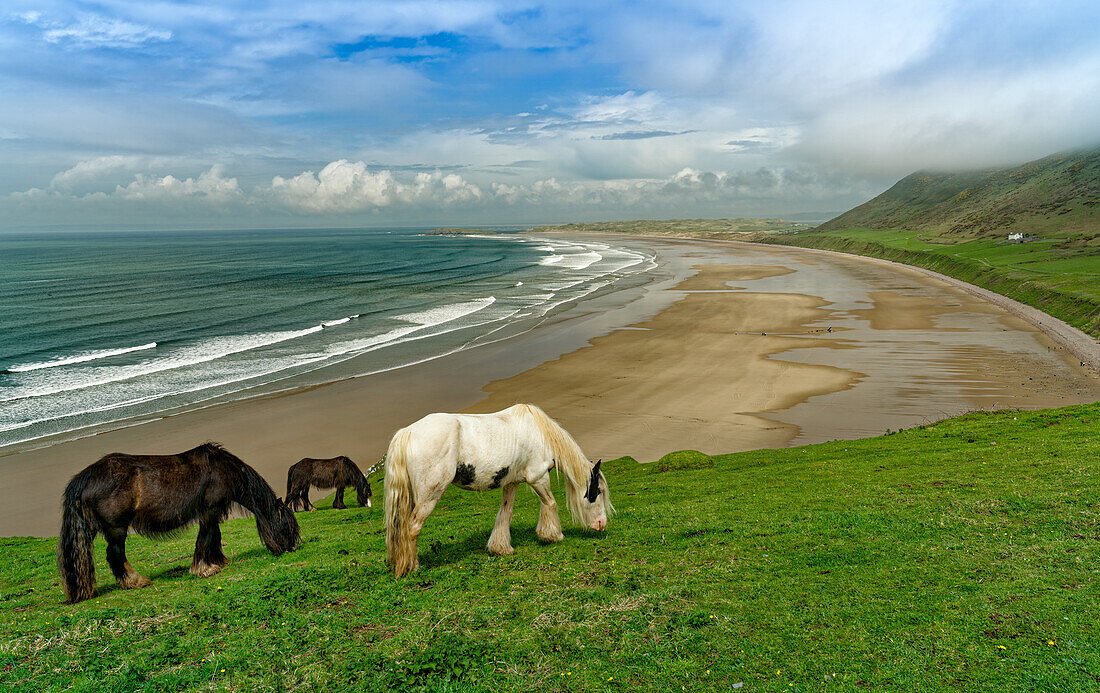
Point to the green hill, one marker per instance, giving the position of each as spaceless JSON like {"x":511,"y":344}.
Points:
{"x":961,"y":555}
{"x":1057,"y":195}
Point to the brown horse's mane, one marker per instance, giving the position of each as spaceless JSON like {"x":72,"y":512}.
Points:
{"x":214,"y":446}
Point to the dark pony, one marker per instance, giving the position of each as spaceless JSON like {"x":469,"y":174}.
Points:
{"x":335,"y":473}
{"x":157,"y":495}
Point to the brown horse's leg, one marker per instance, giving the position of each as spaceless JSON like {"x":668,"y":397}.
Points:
{"x":209,"y":559}
{"x":500,"y":541}
{"x":297,"y":492}
{"x":339,"y":502}
{"x":127,"y":577}
{"x":303,"y":498}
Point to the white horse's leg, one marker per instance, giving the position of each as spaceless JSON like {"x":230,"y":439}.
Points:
{"x":419,"y":515}
{"x":500,"y":541}
{"x":549,"y":526}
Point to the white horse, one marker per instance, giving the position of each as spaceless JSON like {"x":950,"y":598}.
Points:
{"x":480,"y":452}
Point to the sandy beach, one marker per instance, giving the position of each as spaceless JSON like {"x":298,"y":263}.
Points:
{"x":728,"y":347}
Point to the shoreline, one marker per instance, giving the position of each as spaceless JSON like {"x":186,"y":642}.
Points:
{"x":725,"y":348}
{"x":271,"y":431}
{"x":1079,"y":343}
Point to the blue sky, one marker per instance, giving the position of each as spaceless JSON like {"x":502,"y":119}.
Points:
{"x":340,"y":113}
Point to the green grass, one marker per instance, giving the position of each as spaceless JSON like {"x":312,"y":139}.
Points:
{"x":961,"y":555}
{"x":1053,"y":274}
{"x":684,"y":459}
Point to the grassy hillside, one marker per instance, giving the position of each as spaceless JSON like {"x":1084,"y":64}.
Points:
{"x":693,"y":228}
{"x":1055,"y":196}
{"x":963,"y":555}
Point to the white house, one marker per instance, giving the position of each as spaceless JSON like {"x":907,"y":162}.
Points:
{"x":1016,"y":237}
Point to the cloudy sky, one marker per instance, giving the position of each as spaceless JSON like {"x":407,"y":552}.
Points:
{"x":340,"y":112}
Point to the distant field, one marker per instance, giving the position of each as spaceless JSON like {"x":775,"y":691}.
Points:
{"x":962,"y":555}
{"x":693,"y":228}
{"x":1059,"y":275}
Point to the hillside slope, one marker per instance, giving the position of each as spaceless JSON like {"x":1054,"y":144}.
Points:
{"x":1059,"y":194}
{"x":961,"y":555}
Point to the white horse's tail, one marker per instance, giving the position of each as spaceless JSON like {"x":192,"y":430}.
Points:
{"x":400,"y":545}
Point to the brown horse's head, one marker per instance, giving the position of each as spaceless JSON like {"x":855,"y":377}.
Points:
{"x":362,"y":491}
{"x":279,"y":529}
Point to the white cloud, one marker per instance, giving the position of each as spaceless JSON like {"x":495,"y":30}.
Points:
{"x":343,"y":186}
{"x":961,"y":122}
{"x":346,"y":189}
{"x":71,"y":185}
{"x":91,"y":30}
{"x":685,"y":187}
{"x":623,"y":109}
{"x":210,"y":186}
{"x":123,"y":125}
{"x":641,"y":103}
{"x":93,"y":170}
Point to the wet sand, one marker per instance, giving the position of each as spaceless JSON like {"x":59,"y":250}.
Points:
{"x":727,"y":348}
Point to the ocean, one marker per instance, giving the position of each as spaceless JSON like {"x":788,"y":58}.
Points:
{"x":101,"y":328}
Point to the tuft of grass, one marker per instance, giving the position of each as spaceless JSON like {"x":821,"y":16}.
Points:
{"x":684,"y":459}
{"x":962,"y":555}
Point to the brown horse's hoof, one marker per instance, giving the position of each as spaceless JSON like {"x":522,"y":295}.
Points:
{"x":205,"y":569}
{"x":134,"y":581}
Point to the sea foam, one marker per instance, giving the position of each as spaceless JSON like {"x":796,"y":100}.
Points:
{"x":79,"y":358}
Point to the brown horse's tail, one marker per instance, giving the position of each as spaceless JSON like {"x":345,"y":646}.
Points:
{"x":400,"y":544}
{"x":275,"y":522}
{"x":292,"y":492}
{"x":289,"y":486}
{"x":74,"y":546}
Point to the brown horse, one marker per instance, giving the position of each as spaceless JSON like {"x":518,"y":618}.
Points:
{"x":157,"y":495}
{"x":336,"y":473}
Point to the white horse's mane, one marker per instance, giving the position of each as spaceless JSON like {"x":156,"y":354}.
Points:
{"x":569,"y":459}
